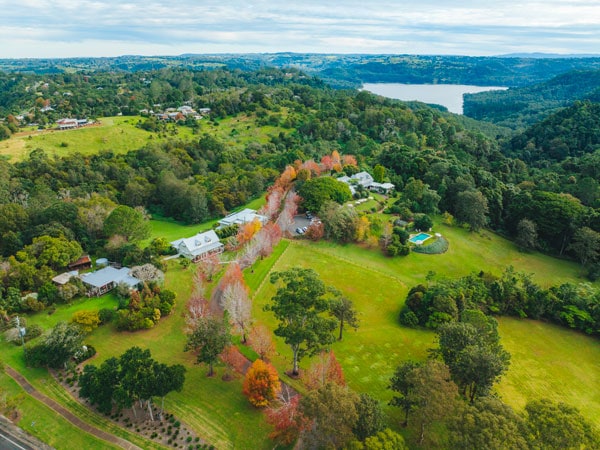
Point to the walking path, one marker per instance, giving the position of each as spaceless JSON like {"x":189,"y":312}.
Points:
{"x":68,"y":414}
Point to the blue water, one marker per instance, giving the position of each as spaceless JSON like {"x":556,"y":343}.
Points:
{"x":448,"y":95}
{"x":420,"y":237}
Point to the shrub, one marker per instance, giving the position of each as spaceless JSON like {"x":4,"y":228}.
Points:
{"x":82,"y":355}
{"x":106,"y":315}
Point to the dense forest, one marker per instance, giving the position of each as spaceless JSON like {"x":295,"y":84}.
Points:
{"x":520,"y":107}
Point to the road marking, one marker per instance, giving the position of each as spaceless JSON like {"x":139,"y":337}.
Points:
{"x":12,"y":442}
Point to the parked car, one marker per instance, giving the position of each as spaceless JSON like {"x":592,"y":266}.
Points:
{"x":304,"y":230}
{"x":299,"y":230}
{"x":309,"y":215}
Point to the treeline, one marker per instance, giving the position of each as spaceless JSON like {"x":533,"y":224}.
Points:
{"x":521,"y":107}
{"x":446,"y":300}
{"x":338,"y":70}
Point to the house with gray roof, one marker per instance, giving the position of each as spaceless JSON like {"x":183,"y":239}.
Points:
{"x":106,"y":279}
{"x":200,"y":246}
{"x":365,"y":179}
{"x":241,"y":217}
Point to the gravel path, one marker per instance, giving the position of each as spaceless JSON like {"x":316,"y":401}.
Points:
{"x":68,"y":414}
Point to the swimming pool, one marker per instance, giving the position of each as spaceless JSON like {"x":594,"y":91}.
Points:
{"x":419,"y":238}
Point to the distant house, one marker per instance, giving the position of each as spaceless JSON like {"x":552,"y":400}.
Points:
{"x":81,"y":264}
{"x":241,"y":217}
{"x":200,"y":246}
{"x":366,"y":180}
{"x":66,"y":124}
{"x":106,"y":279}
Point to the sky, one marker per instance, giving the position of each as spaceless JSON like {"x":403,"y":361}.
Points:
{"x":72,"y":28}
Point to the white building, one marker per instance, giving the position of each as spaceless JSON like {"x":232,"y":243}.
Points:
{"x":200,"y":246}
{"x":241,"y":217}
{"x":366,"y":180}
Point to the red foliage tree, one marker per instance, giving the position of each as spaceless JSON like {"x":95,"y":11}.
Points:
{"x":286,"y":418}
{"x":327,"y":163}
{"x":261,"y":384}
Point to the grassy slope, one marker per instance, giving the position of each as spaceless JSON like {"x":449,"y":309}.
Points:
{"x":40,"y":421}
{"x":378,"y":286}
{"x":120,"y":135}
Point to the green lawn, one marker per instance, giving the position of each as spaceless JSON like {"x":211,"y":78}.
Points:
{"x":40,"y":421}
{"x":546,"y":359}
{"x":378,"y":285}
{"x":552,"y":362}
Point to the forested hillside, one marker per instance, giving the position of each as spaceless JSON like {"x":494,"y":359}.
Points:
{"x":205,"y":177}
{"x":520,"y":107}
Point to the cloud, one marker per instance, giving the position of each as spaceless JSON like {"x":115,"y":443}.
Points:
{"x":44,"y":28}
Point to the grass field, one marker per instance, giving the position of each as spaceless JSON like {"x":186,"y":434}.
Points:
{"x":120,"y":135}
{"x":547,"y":360}
{"x":378,"y":287}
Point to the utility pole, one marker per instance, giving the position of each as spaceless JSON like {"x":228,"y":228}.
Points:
{"x":22,"y":332}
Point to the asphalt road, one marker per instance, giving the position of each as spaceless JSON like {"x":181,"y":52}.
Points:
{"x":9,"y":441}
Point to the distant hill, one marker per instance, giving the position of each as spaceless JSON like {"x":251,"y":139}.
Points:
{"x":550,"y":55}
{"x":520,"y":107}
{"x":572,"y":132}
{"x":339,"y":70}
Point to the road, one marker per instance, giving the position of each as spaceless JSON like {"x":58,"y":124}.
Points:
{"x":14,"y":438}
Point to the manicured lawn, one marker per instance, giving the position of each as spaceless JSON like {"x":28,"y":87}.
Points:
{"x":378,"y":285}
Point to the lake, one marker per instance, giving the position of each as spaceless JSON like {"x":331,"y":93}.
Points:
{"x":448,"y":95}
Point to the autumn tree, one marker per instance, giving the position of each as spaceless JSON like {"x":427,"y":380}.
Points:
{"x":324,"y":369}
{"x":261,"y":384}
{"x":236,"y":302}
{"x":343,"y":310}
{"x":208,"y":340}
{"x":299,"y":305}
{"x":286,"y":418}
{"x":210,"y":266}
{"x":261,"y":341}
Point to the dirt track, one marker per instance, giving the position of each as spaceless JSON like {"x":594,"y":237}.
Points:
{"x":67,"y":414}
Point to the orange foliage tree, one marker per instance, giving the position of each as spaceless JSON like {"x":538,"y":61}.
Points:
{"x":261,"y":384}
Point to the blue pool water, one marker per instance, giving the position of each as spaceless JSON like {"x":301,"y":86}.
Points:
{"x":420,"y":237}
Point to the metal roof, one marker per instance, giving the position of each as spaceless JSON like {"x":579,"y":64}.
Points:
{"x":109,"y":275}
